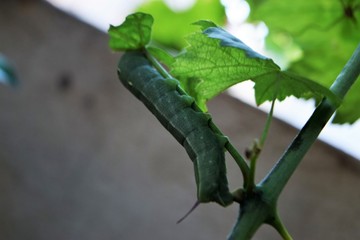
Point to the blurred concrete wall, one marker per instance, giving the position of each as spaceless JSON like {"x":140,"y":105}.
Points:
{"x":81,"y":158}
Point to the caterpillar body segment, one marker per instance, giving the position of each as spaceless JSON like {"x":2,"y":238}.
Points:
{"x":190,"y":127}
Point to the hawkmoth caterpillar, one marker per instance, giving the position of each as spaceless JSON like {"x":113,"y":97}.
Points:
{"x":176,"y":111}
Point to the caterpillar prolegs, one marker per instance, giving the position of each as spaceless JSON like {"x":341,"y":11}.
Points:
{"x":190,"y":127}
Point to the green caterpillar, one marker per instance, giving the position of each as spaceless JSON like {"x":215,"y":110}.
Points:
{"x":190,"y":127}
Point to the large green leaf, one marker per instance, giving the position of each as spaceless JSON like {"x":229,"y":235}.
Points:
{"x":133,"y":34}
{"x":326,"y":31}
{"x":209,"y":66}
{"x":171,"y":26}
{"x":216,"y":60}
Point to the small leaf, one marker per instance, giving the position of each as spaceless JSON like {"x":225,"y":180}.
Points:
{"x":133,"y":34}
{"x":7,"y":73}
{"x":282,"y":84}
{"x":204,"y":24}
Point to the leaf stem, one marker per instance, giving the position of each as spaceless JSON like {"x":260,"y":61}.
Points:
{"x":157,"y":65}
{"x":240,"y":161}
{"x":257,"y":148}
{"x":267,"y":124}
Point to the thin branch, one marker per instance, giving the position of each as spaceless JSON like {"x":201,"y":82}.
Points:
{"x":258,"y":146}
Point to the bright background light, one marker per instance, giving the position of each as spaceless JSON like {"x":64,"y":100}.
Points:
{"x":293,"y":111}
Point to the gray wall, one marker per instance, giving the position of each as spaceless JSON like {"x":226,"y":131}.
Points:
{"x":81,"y":158}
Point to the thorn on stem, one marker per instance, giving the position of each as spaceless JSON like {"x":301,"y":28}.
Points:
{"x":197,"y":203}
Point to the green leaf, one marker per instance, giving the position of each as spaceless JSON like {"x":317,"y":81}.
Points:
{"x":323,"y":66}
{"x":282,"y":84}
{"x":172,"y":25}
{"x":326,"y":32}
{"x":161,"y":55}
{"x":7,"y":73}
{"x":216,"y":60}
{"x":204,"y":24}
{"x":133,"y":34}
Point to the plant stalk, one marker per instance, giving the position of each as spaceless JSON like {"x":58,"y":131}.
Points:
{"x":257,"y":148}
{"x":261,"y":209}
{"x":252,"y":214}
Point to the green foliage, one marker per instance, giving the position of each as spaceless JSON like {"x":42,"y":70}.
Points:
{"x":204,"y":24}
{"x":171,"y":26}
{"x":282,"y":84}
{"x":133,"y":34}
{"x":327,"y":32}
{"x":188,"y":125}
{"x":7,"y":74}
{"x":160,"y":54}
{"x":216,"y":60}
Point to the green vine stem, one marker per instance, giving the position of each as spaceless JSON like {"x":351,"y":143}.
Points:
{"x":260,"y":206}
{"x":240,"y":161}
